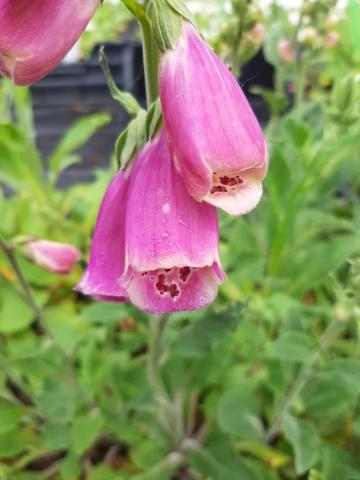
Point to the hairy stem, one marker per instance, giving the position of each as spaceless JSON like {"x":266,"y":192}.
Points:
{"x":170,"y":410}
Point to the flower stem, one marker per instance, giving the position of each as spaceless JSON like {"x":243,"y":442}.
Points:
{"x":151,"y":57}
{"x":170,"y":410}
{"x":151,"y":53}
{"x":303,"y":375}
{"x":8,"y":250}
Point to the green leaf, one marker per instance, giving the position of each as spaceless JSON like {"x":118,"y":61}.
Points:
{"x":84,"y":431}
{"x":12,"y":443}
{"x":19,"y":163}
{"x":55,"y":436}
{"x":198,"y":338}
{"x":139,"y":131}
{"x":298,"y":132}
{"x":104,"y":472}
{"x":237,"y":414}
{"x":357,"y":426}
{"x":78,"y":134}
{"x":71,"y":467}
{"x":305,"y":441}
{"x":57,"y":401}
{"x":126,"y":100}
{"x":10,"y":416}
{"x":311,"y":265}
{"x":329,"y":395}
{"x":15,"y":314}
{"x":292,"y":346}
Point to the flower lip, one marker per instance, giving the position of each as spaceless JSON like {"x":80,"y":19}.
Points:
{"x":175,"y":289}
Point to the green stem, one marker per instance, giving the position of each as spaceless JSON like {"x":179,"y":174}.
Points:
{"x":303,"y":376}
{"x":151,"y":53}
{"x":151,"y":57}
{"x":9,"y":253}
{"x":170,"y":411}
{"x":236,"y":46}
{"x":300,"y":88}
{"x":157,"y":330}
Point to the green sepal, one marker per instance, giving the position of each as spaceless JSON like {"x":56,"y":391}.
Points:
{"x":139,"y":131}
{"x":182,"y":10}
{"x":126,"y":100}
{"x":166,"y":24}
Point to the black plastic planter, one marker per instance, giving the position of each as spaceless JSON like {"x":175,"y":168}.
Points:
{"x":73,"y":91}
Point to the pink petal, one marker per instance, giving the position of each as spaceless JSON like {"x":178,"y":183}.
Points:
{"x":107,"y":254}
{"x":210,"y":126}
{"x":53,"y":256}
{"x":36,"y":34}
{"x":162,"y":291}
{"x":171,"y":240}
{"x":165,"y":226}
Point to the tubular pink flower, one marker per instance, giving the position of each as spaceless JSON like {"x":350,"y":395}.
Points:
{"x":171,"y":241}
{"x":107,"y":253}
{"x":36,"y":34}
{"x":52,"y":256}
{"x":217,"y":143}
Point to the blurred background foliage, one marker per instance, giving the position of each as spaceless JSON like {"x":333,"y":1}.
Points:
{"x":264,"y":384}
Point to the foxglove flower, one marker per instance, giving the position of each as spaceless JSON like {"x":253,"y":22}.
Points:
{"x":35,"y":35}
{"x":107,"y":254}
{"x":217,"y":143}
{"x":171,"y":241}
{"x":52,"y":256}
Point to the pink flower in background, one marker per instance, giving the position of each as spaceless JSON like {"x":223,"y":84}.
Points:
{"x":36,"y":34}
{"x":217,"y":143}
{"x":171,"y":241}
{"x":286,"y":51}
{"x":52,"y":256}
{"x":331,"y":40}
{"x":256,"y":34}
{"x":107,"y":254}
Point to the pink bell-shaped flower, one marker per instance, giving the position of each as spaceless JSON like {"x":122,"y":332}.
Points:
{"x":36,"y":34}
{"x":52,"y":256}
{"x":171,"y":240}
{"x":215,"y":138}
{"x":107,"y":253}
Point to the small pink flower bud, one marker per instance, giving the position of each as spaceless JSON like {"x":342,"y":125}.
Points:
{"x":52,"y":256}
{"x":285,"y":51}
{"x":217,"y":143}
{"x":256,"y":34}
{"x":331,"y":40}
{"x":35,"y":35}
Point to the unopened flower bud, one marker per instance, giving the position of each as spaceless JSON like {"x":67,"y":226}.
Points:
{"x":52,"y":256}
{"x":331,"y":40}
{"x":286,"y":51}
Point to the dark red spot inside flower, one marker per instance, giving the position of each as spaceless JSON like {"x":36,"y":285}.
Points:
{"x":231,"y":181}
{"x":168,"y":270}
{"x":174,"y":291}
{"x":218,"y":188}
{"x":184,"y":273}
{"x":143,"y":274}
